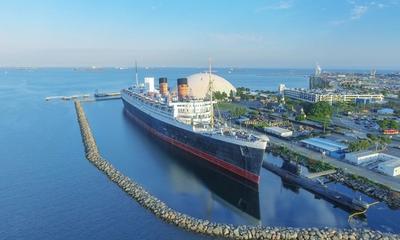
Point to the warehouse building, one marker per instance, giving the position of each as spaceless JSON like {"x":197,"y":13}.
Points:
{"x":329,"y":147}
{"x":391,"y":167}
{"x":281,"y":132}
{"x":364,"y":157}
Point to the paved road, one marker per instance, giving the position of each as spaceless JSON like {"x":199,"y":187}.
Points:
{"x":389,"y":181}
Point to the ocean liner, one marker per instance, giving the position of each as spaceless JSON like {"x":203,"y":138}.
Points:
{"x":188,"y":123}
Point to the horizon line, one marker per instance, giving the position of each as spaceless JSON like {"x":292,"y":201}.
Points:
{"x":94,"y":67}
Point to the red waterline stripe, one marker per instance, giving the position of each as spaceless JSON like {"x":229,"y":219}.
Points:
{"x":232,"y":168}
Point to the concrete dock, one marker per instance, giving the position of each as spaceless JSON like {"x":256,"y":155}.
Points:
{"x":321,"y":174}
{"x":87,"y":97}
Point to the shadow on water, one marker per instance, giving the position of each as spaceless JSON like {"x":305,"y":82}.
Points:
{"x":295,"y":169}
{"x":222,"y":185}
{"x":288,"y":184}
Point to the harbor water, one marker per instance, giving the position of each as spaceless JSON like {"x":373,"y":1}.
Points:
{"x":50,"y":191}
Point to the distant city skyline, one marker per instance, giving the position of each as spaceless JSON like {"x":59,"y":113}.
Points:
{"x":361,"y":34}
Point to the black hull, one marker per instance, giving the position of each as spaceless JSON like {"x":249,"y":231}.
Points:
{"x":241,"y":194}
{"x":230,"y":157}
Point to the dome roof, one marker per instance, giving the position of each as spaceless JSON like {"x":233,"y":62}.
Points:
{"x":198,"y":84}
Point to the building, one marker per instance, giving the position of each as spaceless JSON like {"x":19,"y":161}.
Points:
{"x":317,"y":80}
{"x":363,"y":101}
{"x":385,"y":111}
{"x":281,"y":132}
{"x":326,"y":146}
{"x":318,"y":70}
{"x":390,"y":132}
{"x":391,"y":167}
{"x":300,"y":94}
{"x":364,"y":157}
{"x":199,"y":85}
{"x":281,"y":89}
{"x":319,"y":95}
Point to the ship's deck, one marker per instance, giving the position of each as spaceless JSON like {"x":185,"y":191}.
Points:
{"x":218,"y":130}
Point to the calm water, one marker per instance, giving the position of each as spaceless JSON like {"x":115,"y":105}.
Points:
{"x":48,"y":190}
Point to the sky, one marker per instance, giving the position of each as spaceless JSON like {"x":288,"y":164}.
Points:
{"x":233,"y":33}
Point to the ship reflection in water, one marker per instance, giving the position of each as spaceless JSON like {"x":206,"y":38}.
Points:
{"x":225,"y":188}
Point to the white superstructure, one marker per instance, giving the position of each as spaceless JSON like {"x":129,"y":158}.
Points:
{"x":192,"y":115}
{"x":193,"y":112}
{"x":149,"y":84}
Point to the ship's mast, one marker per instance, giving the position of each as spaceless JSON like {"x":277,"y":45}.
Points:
{"x":210,"y":85}
{"x":136,"y":75}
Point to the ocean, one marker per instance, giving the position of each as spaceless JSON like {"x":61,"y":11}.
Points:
{"x":50,"y":191}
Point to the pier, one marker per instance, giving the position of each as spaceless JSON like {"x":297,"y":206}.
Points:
{"x":87,"y":97}
{"x":186,"y":222}
{"x":321,"y":174}
{"x":337,"y":198}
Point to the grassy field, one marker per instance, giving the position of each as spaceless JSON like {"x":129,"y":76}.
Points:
{"x":227,"y":106}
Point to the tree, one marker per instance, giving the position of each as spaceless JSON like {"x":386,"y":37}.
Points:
{"x":219,"y":96}
{"x":385,"y":140}
{"x":238,"y":111}
{"x":300,"y":117}
{"x":306,"y":107}
{"x":359,"y":145}
{"x":379,"y":140}
{"x":344,"y":106}
{"x":388,"y":124}
{"x":321,"y":110}
{"x":231,"y":95}
{"x":243,"y":93}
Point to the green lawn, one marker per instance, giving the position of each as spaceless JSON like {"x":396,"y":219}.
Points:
{"x":227,"y":106}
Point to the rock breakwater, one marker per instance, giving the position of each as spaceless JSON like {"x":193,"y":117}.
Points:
{"x":184,"y":221}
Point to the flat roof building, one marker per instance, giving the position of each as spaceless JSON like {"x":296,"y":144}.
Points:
{"x":391,"y":167}
{"x":363,"y":157}
{"x":318,"y":95}
{"x":329,"y":147}
{"x":281,"y":132}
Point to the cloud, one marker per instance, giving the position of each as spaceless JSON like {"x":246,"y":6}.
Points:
{"x":282,"y":5}
{"x":358,"y":11}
